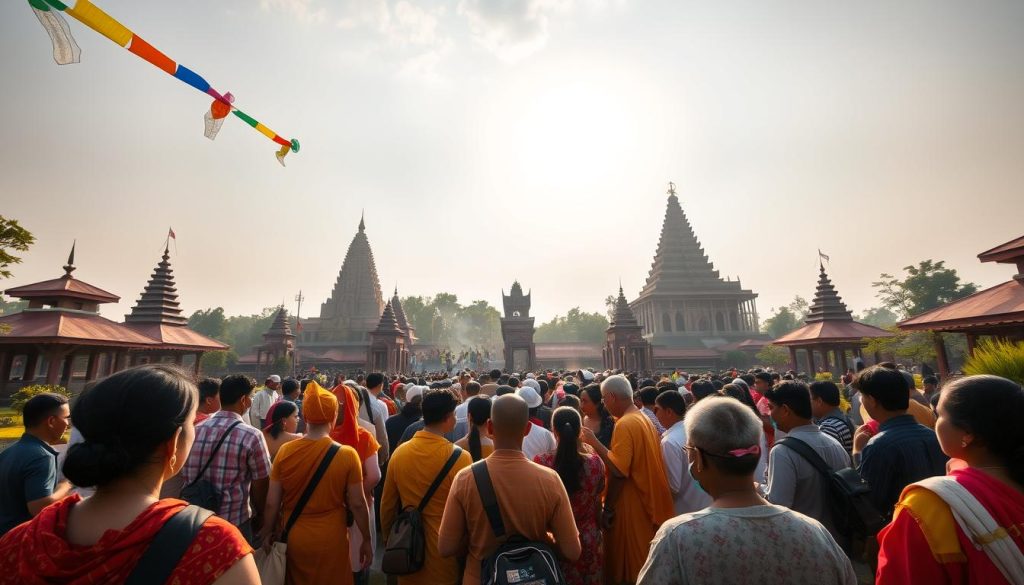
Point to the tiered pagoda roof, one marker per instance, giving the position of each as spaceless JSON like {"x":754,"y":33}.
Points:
{"x":157,"y":313}
{"x":356,"y":297}
{"x":828,"y":320}
{"x":388,"y":323}
{"x":624,"y":316}
{"x":280,"y":328}
{"x":396,"y":305}
{"x":681,"y":267}
{"x":159,"y":300}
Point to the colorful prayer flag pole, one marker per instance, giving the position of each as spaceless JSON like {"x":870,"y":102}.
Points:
{"x":66,"y":50}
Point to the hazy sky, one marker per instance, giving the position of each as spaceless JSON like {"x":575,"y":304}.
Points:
{"x":489,"y":140}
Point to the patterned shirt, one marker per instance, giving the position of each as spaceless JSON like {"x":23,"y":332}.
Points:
{"x":839,"y":427}
{"x":767,"y":545}
{"x":242,"y":459}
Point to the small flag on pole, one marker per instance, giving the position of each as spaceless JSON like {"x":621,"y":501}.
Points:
{"x":822,"y":256}
{"x":170,"y":234}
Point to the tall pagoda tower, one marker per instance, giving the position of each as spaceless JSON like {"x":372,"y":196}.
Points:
{"x":685,"y":303}
{"x":387,"y":351}
{"x":278,"y":341}
{"x":356,"y":302}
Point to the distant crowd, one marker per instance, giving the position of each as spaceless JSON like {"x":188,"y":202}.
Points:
{"x":496,"y":477}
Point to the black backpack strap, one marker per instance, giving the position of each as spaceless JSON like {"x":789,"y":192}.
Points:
{"x":317,"y":476}
{"x":214,"y":452}
{"x":168,"y":546}
{"x":804,"y":450}
{"x":487,"y":496}
{"x":369,"y":405}
{"x":456,"y":453}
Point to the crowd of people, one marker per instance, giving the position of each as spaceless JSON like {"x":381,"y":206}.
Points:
{"x":623,"y":477}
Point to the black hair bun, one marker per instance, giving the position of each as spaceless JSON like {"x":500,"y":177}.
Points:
{"x":89,"y":464}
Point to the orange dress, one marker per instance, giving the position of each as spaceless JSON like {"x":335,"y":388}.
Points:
{"x":645,"y":501}
{"x":318,"y":542}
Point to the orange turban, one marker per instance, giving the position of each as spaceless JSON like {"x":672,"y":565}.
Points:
{"x":318,"y":405}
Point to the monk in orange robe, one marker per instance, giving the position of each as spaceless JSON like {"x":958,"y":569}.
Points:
{"x":638,"y":499}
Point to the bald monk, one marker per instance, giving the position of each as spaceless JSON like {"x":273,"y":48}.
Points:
{"x":532,"y":499}
{"x":638,"y":498}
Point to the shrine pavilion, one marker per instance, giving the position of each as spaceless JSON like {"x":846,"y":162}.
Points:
{"x":996,"y":312}
{"x":830,"y":332}
{"x":62,"y":339}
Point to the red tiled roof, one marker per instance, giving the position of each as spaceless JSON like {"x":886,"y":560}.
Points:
{"x":1007,"y":252}
{"x":831,"y":331}
{"x":557,"y":351}
{"x":176,"y":337}
{"x":1002,"y":304}
{"x":50,"y":326}
{"x":64,"y":286}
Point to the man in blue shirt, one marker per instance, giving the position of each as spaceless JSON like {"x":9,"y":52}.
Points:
{"x":28,"y":468}
{"x":903,"y":451}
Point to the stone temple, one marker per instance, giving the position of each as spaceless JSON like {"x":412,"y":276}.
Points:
{"x":689,"y":313}
{"x":340,"y":336}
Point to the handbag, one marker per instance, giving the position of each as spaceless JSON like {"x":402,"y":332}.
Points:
{"x":201,"y":492}
{"x":406,"y":543}
{"x":272,"y":565}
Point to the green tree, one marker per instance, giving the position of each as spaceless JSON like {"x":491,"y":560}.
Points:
{"x":13,"y":238}
{"x":799,"y":307}
{"x":928,"y":285}
{"x":774,"y":356}
{"x":209,"y":322}
{"x":575,"y":326}
{"x":781,"y":323}
{"x":214,"y":362}
{"x":879,"y":317}
{"x":609,"y":304}
{"x":735,"y":359}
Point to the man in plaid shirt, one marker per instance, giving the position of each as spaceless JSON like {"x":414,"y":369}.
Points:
{"x":240,"y":468}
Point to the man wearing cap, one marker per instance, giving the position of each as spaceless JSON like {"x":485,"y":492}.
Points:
{"x":539,"y":440}
{"x":263,"y":400}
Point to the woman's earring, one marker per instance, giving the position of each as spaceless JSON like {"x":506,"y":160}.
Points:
{"x":174,"y":460}
{"x":963,"y":443}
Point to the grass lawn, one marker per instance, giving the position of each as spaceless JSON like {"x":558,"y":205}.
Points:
{"x":11,"y":433}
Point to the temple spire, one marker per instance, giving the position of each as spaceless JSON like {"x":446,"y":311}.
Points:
{"x":159,"y":300}
{"x":280,"y":326}
{"x":623,"y":314}
{"x":827,"y":304}
{"x":362,"y":221}
{"x":388,"y":322}
{"x":70,"y":266}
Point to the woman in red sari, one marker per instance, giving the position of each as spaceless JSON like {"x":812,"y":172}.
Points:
{"x":979,"y":424}
{"x":138,"y":430}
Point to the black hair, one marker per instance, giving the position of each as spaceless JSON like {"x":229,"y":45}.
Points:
{"x":504,"y":389}
{"x":375,"y":379}
{"x":990,"y":408}
{"x":40,"y":407}
{"x":479,"y":412}
{"x":930,"y":380}
{"x":763,"y":376}
{"x":826,"y":390}
{"x":472,"y":388}
{"x":208,"y":388}
{"x":289,"y":385}
{"x":571,"y":388}
{"x":513,"y":382}
{"x":570,"y":400}
{"x":282,"y":410}
{"x":702,"y":389}
{"x":886,"y":385}
{"x":234,"y":387}
{"x":543,"y":387}
{"x":673,"y":401}
{"x":793,"y":394}
{"x":124,"y":419}
{"x":736,"y":391}
{"x":437,"y":405}
{"x":648,"y":395}
{"x":748,"y":378}
{"x":566,"y":423}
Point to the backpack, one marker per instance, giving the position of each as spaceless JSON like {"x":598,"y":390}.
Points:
{"x":406,"y":544}
{"x":201,"y":492}
{"x":517,"y":560}
{"x":848,"y":494}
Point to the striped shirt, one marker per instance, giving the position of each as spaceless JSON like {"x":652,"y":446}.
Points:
{"x":839,"y":427}
{"x":901,"y":453}
{"x":242,"y":459}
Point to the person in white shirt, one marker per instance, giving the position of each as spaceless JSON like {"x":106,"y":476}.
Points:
{"x":539,"y":440}
{"x":469,"y":390}
{"x":263,"y":400}
{"x":687,"y":496}
{"x":374,"y":386}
